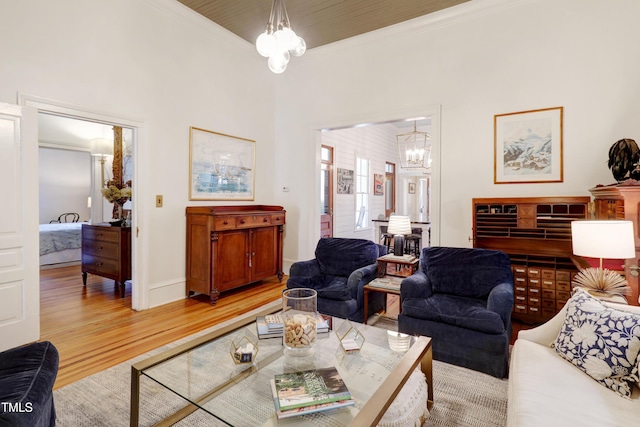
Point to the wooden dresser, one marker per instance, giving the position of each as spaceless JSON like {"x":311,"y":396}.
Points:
{"x":536,"y":234}
{"x":106,"y":252}
{"x":231,"y":246}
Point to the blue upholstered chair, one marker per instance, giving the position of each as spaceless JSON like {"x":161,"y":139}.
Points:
{"x":338,"y":273}
{"x":462,"y":298}
{"x":27,"y":375}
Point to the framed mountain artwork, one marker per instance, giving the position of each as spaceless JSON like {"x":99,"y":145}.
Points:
{"x":528,"y":146}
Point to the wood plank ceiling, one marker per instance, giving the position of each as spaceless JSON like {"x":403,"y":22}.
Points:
{"x":318,"y":22}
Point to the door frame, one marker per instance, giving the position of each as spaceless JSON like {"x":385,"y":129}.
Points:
{"x":329,"y":166}
{"x":139,"y":241}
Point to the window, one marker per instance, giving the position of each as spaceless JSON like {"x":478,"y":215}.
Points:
{"x":362,"y":193}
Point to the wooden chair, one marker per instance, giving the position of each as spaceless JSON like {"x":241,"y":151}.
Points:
{"x":65,"y":218}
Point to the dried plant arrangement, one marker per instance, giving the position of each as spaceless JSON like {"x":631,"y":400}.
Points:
{"x":602,"y":281}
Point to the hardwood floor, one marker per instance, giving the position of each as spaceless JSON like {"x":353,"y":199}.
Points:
{"x":94,"y":329}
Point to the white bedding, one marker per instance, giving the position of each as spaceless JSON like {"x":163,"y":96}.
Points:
{"x":60,"y":242}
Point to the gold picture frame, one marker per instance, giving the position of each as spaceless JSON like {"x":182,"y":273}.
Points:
{"x":528,"y":146}
{"x":221,"y":167}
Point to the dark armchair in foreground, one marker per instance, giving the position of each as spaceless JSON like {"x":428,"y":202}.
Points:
{"x":462,"y":298}
{"x":338,"y":273}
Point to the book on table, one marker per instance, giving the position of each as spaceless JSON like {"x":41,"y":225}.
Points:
{"x":272,"y":326}
{"x":281,"y":414}
{"x":313,"y":387}
{"x":387,"y":282}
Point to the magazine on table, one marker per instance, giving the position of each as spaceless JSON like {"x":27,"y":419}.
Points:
{"x":308,"y":388}
{"x":281,"y":414}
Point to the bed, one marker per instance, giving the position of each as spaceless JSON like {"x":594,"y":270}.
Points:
{"x":60,"y":243}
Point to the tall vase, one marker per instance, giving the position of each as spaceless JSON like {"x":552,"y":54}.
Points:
{"x":299,"y":306}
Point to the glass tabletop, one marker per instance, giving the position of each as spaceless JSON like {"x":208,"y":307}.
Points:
{"x":240,"y":394}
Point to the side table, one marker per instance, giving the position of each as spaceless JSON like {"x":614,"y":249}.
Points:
{"x":392,"y":270}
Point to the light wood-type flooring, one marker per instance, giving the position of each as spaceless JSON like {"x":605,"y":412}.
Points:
{"x":94,"y":329}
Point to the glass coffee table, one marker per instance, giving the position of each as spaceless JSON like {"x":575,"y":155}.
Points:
{"x":204,"y":374}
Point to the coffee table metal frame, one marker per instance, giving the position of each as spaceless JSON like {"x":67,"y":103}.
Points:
{"x":420,"y":354}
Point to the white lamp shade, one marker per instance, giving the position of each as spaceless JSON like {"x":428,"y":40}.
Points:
{"x":101,"y":147}
{"x":603,"y":239}
{"x":399,"y":224}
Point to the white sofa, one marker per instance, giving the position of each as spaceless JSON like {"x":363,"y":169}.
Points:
{"x":546,"y":390}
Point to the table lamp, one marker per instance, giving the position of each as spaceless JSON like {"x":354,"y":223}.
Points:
{"x":603,"y":239}
{"x":399,"y":226}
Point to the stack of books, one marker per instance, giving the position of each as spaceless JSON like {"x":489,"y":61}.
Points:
{"x":306,"y":392}
{"x":272,"y":325}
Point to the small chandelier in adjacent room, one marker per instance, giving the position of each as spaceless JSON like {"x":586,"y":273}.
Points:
{"x":414,"y":151}
{"x":279,"y":42}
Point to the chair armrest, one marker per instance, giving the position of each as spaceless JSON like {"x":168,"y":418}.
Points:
{"x":500,"y":301}
{"x":360,"y":277}
{"x":416,"y":286}
{"x":305,"y":268}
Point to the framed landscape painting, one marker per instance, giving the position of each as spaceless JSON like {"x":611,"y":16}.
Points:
{"x":221,"y":166}
{"x":528,"y":146}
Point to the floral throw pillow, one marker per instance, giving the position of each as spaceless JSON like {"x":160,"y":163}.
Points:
{"x":601,"y":341}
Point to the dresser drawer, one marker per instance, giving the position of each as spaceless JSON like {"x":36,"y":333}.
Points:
{"x":535,"y":292}
{"x":563,"y":286}
{"x":534,"y":301}
{"x":245,"y":221}
{"x":103,"y":234}
{"x":548,"y":293}
{"x":547,"y":284}
{"x":548,"y":303}
{"x":520,"y":308}
{"x":547,"y":273}
{"x":563,"y":275}
{"x":99,"y":265}
{"x":533,"y":272}
{"x":224,"y":223}
{"x":100,"y":249}
{"x":519,"y":271}
{"x":520,"y":290}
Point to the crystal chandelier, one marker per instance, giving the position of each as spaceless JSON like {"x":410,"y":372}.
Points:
{"x":413,"y":149}
{"x":279,"y":42}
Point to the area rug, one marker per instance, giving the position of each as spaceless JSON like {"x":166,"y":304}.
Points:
{"x":462,"y":397}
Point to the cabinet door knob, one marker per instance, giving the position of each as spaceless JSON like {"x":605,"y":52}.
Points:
{"x":265,"y":220}
{"x":242,"y":221}
{"x":225,"y":222}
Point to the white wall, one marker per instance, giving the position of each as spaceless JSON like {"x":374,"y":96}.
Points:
{"x":65,"y":183}
{"x":475,"y":60}
{"x":158,"y":63}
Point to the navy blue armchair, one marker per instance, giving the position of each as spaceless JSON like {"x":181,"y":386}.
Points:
{"x":462,"y":298}
{"x":338,"y":273}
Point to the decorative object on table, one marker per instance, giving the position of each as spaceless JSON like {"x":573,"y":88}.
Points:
{"x":279,"y":41}
{"x":624,"y":160}
{"x":602,"y":239}
{"x":309,"y":388}
{"x":378,"y":184}
{"x":244,"y":347}
{"x":221,"y":167}
{"x":118,"y":194}
{"x":398,"y":341}
{"x":351,"y":339}
{"x":528,"y":146}
{"x":272,"y":326}
{"x":345,"y":181}
{"x":399,"y":226}
{"x":299,"y":309}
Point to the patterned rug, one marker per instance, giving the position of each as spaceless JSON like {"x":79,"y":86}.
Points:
{"x":462,"y":397}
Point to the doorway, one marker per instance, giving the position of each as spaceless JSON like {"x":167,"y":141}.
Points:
{"x":139,"y":297}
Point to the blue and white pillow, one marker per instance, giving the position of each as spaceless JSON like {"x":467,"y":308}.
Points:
{"x":601,"y":341}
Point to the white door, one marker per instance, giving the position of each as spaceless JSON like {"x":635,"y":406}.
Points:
{"x":19,"y":243}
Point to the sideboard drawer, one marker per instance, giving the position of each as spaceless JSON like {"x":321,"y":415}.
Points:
{"x":252,"y":221}
{"x":98,"y":265}
{"x":103,"y":234}
{"x":102,"y":249}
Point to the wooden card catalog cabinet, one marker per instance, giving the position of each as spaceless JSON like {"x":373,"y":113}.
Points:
{"x":536,"y":234}
{"x":232,"y":246}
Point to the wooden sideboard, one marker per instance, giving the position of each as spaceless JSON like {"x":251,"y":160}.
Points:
{"x":106,"y":252}
{"x":232,"y":246}
{"x":536,"y":234}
